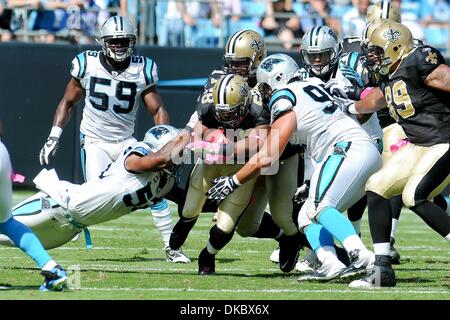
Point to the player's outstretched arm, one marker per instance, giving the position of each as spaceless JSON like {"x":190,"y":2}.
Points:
{"x":277,"y":139}
{"x":439,"y":79}
{"x":166,"y":156}
{"x":373,"y":102}
{"x":155,"y":106}
{"x":74,"y":92}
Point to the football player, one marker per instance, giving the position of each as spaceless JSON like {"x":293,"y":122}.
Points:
{"x":20,"y":235}
{"x":321,"y":57}
{"x":234,"y":108}
{"x":113,"y":81}
{"x":303,"y":111}
{"x":415,"y":87}
{"x":61,"y":210}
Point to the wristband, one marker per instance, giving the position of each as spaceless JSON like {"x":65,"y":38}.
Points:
{"x":55,"y":132}
{"x":235,"y":180}
{"x":366,"y":92}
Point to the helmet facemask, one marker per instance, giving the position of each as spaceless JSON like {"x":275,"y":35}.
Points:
{"x":230,"y":117}
{"x":118,"y":48}
{"x":319,"y":62}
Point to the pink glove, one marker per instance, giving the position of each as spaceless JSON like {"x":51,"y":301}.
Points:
{"x":17,"y":177}
{"x":400,"y":143}
{"x":366,"y":92}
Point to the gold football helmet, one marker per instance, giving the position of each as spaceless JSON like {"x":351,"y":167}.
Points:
{"x":383,"y":10}
{"x":231,"y":96}
{"x":244,"y":51}
{"x":388,"y":44}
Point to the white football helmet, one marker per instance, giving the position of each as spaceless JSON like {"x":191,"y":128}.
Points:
{"x":320,"y":50}
{"x":159,"y":136}
{"x":117,"y":38}
{"x":275,"y":72}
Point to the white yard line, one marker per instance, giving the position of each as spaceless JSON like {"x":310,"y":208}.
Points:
{"x":426,"y":291}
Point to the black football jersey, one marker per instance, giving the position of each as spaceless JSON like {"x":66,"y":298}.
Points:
{"x":423,"y":112}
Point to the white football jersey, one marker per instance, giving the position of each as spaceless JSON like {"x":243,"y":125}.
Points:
{"x":320,"y":122}
{"x":111,"y":98}
{"x":117,"y":192}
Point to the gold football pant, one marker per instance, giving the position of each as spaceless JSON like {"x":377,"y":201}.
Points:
{"x":277,"y":190}
{"x":417,"y":173}
{"x":231,"y":208}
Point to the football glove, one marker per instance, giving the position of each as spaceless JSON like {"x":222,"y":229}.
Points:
{"x":336,"y":88}
{"x":222,"y":187}
{"x":302,"y":193}
{"x":50,"y":146}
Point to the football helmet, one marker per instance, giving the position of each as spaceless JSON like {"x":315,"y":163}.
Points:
{"x":274,"y":73}
{"x":388,"y":44}
{"x":244,"y":51}
{"x":231,"y":96}
{"x":117,"y":38}
{"x":156,"y":138}
{"x":383,"y":10}
{"x":319,"y":51}
{"x":368,"y":30}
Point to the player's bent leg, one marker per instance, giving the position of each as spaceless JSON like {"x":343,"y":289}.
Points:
{"x":429,"y":178}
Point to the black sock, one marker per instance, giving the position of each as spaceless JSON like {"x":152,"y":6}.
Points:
{"x":267,"y":228}
{"x":439,"y":200}
{"x":219,"y":239}
{"x":380,"y":217}
{"x":433,"y":216}
{"x":356,"y":211}
{"x":180,"y":232}
{"x":396,"y":206}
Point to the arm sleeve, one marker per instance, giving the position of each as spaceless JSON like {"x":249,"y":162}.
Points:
{"x":150,"y":72}
{"x":79,"y":65}
{"x":281,"y":101}
{"x":426,"y":60}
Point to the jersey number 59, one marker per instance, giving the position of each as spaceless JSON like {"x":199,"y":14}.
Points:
{"x":124,"y":92}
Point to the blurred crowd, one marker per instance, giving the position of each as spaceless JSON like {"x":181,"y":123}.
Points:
{"x":207,"y":23}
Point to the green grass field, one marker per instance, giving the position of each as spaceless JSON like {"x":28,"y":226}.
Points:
{"x":127,"y":262}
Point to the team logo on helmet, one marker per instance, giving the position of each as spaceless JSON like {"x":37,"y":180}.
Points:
{"x":392,"y":35}
{"x":256,"y":45}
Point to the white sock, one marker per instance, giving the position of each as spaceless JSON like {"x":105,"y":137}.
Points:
{"x":447,"y":237}
{"x":211,"y":249}
{"x":353,"y":242}
{"x":163,"y":221}
{"x":394,"y":227}
{"x":49,"y":265}
{"x":382,"y":249}
{"x":357,"y":226}
{"x":325,"y":252}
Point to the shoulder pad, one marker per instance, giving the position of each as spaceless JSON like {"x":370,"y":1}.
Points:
{"x":139,"y":148}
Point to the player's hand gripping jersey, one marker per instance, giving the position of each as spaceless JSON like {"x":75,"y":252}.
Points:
{"x":112,"y":97}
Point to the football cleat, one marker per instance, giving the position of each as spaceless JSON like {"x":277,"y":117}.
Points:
{"x":329,"y":270}
{"x":289,"y":249}
{"x":381,"y":275}
{"x":360,"y":261}
{"x":176,"y":256}
{"x":206,"y":263}
{"x":309,"y":264}
{"x":394,"y":253}
{"x":275,"y":256}
{"x":55,"y":280}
